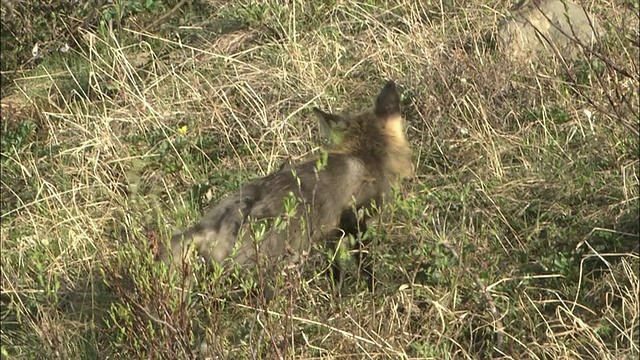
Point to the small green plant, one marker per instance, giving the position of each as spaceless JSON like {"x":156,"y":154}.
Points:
{"x":256,"y":14}
{"x":13,"y":140}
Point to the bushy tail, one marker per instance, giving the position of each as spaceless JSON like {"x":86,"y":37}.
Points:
{"x":215,"y":235}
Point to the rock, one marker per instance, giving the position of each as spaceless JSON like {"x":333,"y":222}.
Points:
{"x":542,"y":28}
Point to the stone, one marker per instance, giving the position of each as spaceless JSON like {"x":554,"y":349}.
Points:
{"x":541,"y":28}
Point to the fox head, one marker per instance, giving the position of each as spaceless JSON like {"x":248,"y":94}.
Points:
{"x":384,"y":117}
{"x":374,"y":133}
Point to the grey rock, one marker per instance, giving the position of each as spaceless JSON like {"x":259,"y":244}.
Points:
{"x":542,"y":28}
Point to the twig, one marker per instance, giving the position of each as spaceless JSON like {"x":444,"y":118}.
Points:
{"x":152,"y":317}
{"x":164,"y":17}
{"x":492,"y":306}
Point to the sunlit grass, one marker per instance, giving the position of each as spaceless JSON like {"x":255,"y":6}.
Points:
{"x":518,"y":236}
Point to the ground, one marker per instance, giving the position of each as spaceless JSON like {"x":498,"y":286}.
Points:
{"x":517,"y":237}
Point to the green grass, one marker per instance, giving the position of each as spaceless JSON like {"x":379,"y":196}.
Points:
{"x":518,"y":236}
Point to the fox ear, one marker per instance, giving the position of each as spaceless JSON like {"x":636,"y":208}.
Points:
{"x":331,"y":125}
{"x":388,"y":101}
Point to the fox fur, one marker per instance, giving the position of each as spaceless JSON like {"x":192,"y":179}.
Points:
{"x":356,"y":172}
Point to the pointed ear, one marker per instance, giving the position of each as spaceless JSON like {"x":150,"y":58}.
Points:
{"x":388,"y":101}
{"x":330,"y":125}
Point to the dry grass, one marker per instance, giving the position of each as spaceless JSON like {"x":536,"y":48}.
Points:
{"x":517,"y":238}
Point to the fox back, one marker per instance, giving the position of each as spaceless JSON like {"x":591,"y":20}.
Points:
{"x":281,"y":215}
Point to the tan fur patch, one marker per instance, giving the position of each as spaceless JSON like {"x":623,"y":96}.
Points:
{"x":399,"y":160}
{"x":394,"y":127}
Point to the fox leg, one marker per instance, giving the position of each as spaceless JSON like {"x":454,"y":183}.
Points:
{"x":351,"y":224}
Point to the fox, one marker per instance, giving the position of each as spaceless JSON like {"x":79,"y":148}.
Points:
{"x":316,"y":201}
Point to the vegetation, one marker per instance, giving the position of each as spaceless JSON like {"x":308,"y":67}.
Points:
{"x":517,"y":238}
